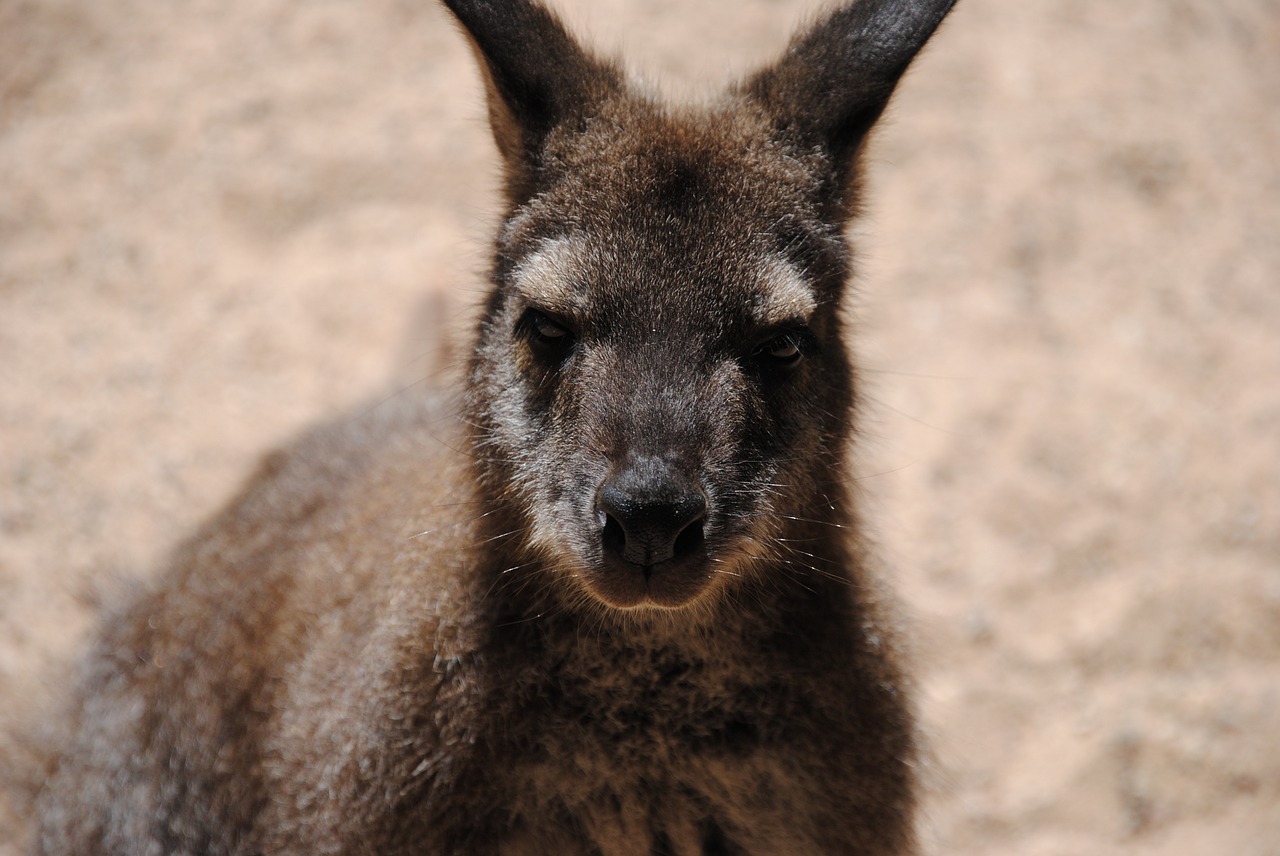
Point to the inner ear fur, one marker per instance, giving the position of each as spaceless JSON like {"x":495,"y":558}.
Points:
{"x":836,"y":77}
{"x":536,"y":77}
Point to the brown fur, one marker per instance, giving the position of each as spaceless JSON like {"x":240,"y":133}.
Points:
{"x":613,"y":600}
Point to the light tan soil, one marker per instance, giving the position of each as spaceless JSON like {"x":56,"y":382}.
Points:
{"x":221,"y":220}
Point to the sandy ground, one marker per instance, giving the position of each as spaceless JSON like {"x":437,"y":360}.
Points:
{"x":220,"y":221}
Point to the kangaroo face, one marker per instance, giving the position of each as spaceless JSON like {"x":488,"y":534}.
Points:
{"x":660,"y":390}
{"x":664,"y":325}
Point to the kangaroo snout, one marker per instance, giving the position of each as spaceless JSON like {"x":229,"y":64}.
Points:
{"x":651,"y":513}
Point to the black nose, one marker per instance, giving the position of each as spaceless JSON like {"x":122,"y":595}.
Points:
{"x":651,"y":512}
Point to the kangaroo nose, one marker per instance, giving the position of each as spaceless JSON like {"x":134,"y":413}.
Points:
{"x":651,"y":513}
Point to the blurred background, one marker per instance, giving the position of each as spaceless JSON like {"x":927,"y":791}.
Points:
{"x":221,"y":220}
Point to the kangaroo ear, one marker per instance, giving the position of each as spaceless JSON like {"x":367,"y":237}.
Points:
{"x":536,"y":75}
{"x":836,"y":78}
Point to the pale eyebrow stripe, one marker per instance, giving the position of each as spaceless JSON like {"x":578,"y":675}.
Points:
{"x":785,"y":295}
{"x":550,"y":276}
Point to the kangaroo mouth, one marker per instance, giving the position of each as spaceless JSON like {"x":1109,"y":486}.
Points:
{"x":668,"y":584}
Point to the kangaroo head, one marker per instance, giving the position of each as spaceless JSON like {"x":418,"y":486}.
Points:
{"x":661,"y":385}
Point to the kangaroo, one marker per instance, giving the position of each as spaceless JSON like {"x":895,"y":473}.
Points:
{"x":611,"y":599}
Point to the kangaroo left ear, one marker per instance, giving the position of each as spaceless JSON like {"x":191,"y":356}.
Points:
{"x":836,"y":78}
{"x":537,"y":78}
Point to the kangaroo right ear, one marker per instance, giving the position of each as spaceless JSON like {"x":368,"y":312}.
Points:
{"x":537,"y":78}
{"x":836,"y":78}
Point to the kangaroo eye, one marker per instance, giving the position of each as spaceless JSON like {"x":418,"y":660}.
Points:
{"x":775,"y":356}
{"x":546,"y":329}
{"x":549,"y":338}
{"x":784,"y":349}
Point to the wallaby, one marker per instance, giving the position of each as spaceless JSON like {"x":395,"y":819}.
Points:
{"x":610,"y":600}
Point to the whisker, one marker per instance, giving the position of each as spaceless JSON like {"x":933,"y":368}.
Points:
{"x":456,"y":524}
{"x":506,"y":534}
{"x":811,"y":520}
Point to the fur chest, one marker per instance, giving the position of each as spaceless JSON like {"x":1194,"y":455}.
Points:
{"x":653,"y":752}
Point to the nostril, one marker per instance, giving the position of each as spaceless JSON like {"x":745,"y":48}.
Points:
{"x":613,"y":536}
{"x":690,"y":539}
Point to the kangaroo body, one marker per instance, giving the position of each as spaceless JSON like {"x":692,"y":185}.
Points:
{"x":608,"y":600}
